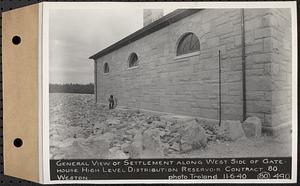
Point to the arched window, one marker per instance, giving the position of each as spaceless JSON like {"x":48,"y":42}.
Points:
{"x":106,"y":68}
{"x":188,"y":43}
{"x":133,"y":60}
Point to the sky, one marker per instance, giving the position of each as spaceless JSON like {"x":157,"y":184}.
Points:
{"x":75,"y":35}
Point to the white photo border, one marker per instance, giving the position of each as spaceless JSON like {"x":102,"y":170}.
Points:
{"x":45,"y":8}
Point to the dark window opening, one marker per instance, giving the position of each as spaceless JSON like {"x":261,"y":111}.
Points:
{"x":106,"y":68}
{"x":133,"y":60}
{"x":189,"y":43}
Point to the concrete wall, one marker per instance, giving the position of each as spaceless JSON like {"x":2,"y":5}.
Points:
{"x":189,"y":85}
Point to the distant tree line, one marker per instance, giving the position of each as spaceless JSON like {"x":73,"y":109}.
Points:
{"x":72,"y":88}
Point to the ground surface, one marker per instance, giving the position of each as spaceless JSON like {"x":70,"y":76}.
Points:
{"x":75,"y":117}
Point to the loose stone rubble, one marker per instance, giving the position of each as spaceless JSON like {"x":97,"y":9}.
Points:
{"x":193,"y":137}
{"x":81,"y":129}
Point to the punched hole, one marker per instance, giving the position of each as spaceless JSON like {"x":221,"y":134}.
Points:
{"x":18,"y":142}
{"x":16,"y":40}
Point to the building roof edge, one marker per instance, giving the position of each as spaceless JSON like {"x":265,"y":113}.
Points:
{"x":152,"y":27}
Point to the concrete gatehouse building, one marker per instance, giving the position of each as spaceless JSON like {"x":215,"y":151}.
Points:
{"x":203,"y":63}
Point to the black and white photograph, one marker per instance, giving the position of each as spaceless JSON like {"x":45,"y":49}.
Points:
{"x":172,"y":83}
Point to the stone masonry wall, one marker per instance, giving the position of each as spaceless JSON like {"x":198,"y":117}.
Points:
{"x":268,"y":61}
{"x":281,"y":70}
{"x":258,"y":64}
{"x":189,"y":85}
{"x":180,"y":85}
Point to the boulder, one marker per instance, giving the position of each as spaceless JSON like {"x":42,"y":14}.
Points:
{"x":83,"y":134}
{"x":122,"y":126}
{"x":176,"y":118}
{"x":124,"y":146}
{"x":100,"y":145}
{"x":211,"y":137}
{"x":193,"y":137}
{"x":191,"y":123}
{"x":77,"y":150}
{"x":100,"y":128}
{"x":152,"y":144}
{"x":166,"y":149}
{"x":113,"y":122}
{"x":87,"y":150}
{"x":108,"y":137}
{"x":180,"y":128}
{"x":162,"y":133}
{"x":230,"y":130}
{"x":126,"y":137}
{"x":117,"y":153}
{"x":135,"y":149}
{"x":148,"y":120}
{"x":207,"y":122}
{"x":68,"y":142}
{"x":185,"y":147}
{"x":159,"y":124}
{"x":132,"y":131}
{"x":176,"y":127}
{"x":252,"y":127}
{"x":175,"y":147}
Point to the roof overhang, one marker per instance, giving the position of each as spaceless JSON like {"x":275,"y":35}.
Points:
{"x":153,"y":27}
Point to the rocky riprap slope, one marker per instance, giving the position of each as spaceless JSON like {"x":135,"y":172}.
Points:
{"x":80,"y":129}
